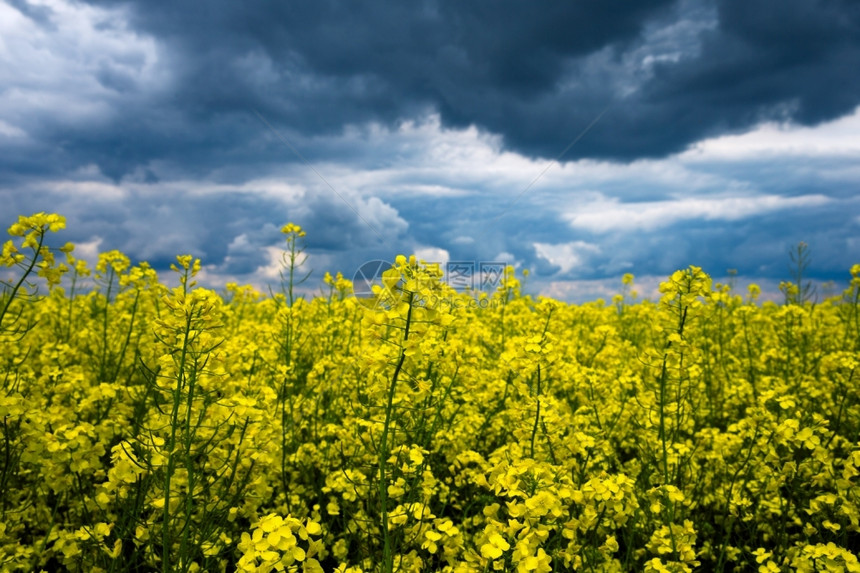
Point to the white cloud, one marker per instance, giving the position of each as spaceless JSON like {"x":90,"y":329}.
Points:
{"x":97,"y":189}
{"x":89,"y":250}
{"x":612,"y":215}
{"x":77,"y":67}
{"x":432,"y":255}
{"x":11,"y":131}
{"x":507,"y":258}
{"x":837,"y":138}
{"x":271,"y":272}
{"x":373,"y":214}
{"x":567,"y":256}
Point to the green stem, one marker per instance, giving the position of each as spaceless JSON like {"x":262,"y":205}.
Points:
{"x":23,"y":278}
{"x":189,"y":467}
{"x":537,"y":415}
{"x":663,"y":440}
{"x":387,"y":557}
{"x":174,"y":422}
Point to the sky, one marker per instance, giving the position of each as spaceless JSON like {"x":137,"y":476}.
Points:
{"x":580,"y":140}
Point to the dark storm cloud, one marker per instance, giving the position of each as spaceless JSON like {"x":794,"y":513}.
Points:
{"x":791,"y":61}
{"x":537,"y":75}
{"x":314,"y":68}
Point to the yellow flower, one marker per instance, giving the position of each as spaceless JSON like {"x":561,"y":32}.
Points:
{"x":495,"y":546}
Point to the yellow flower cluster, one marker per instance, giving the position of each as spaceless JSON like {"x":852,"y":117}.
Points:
{"x":149,"y":428}
{"x":275,"y":544}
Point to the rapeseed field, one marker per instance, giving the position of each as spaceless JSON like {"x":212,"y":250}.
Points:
{"x":151,"y":428}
